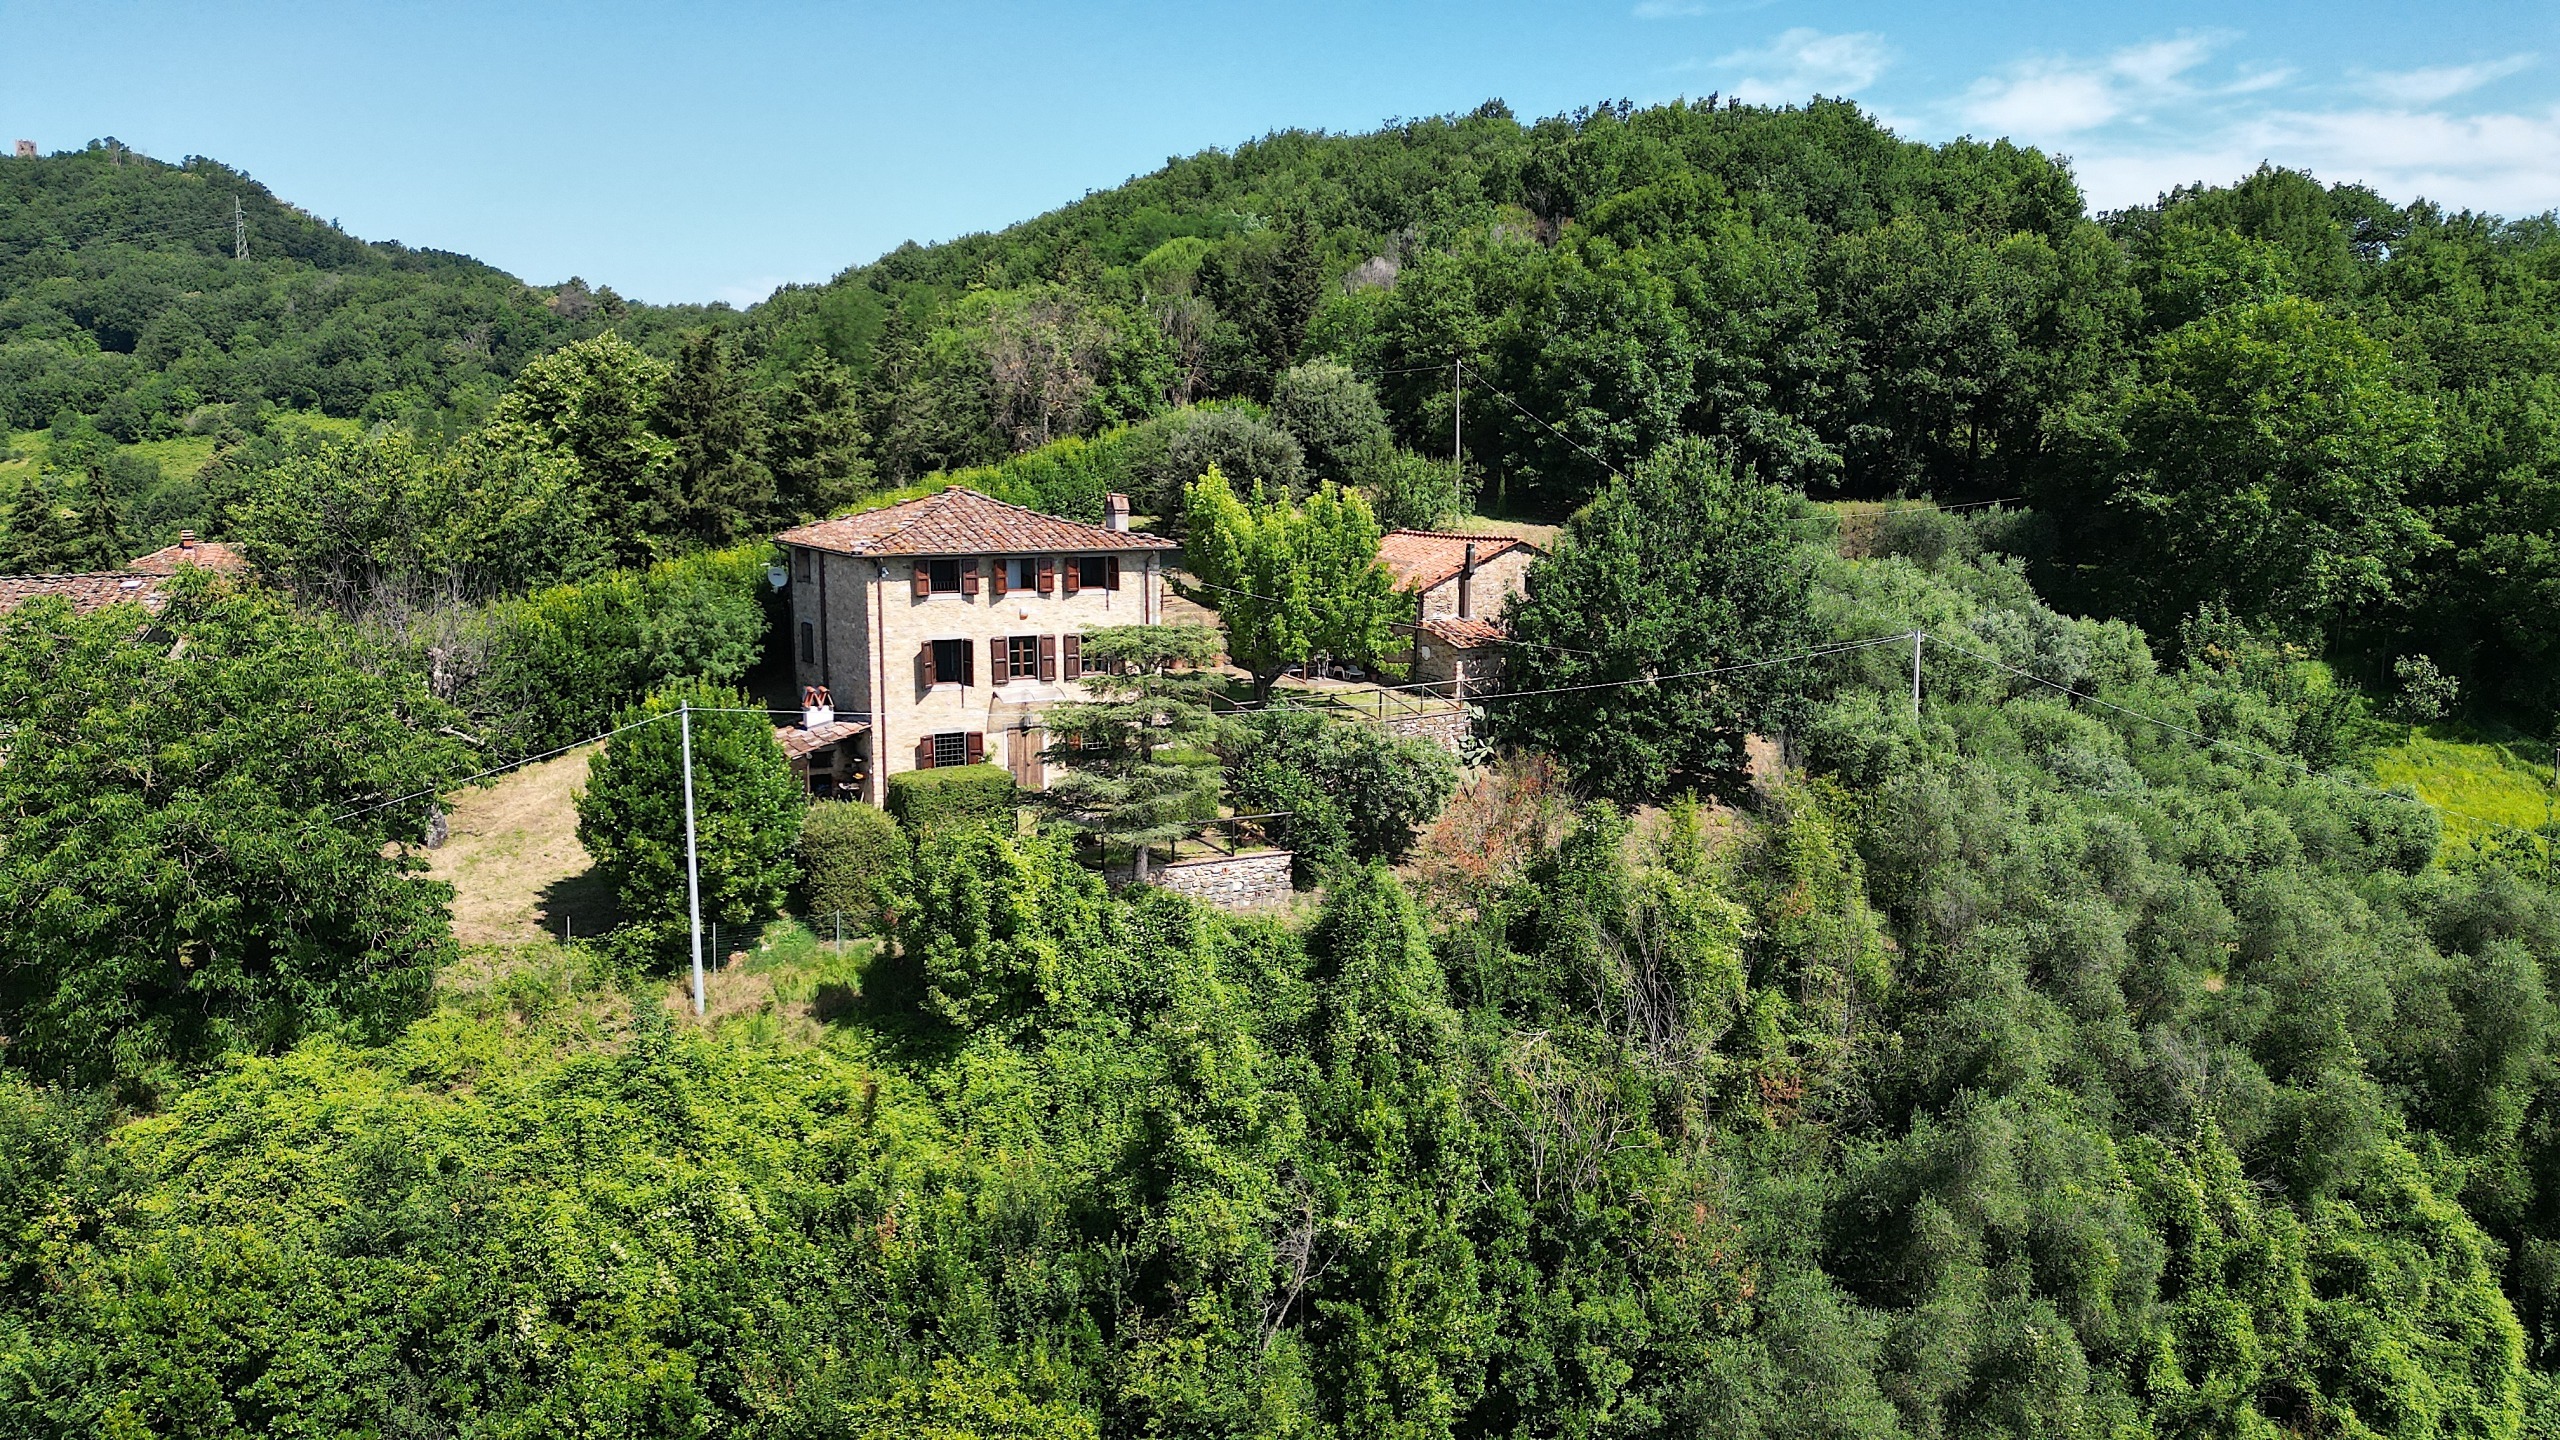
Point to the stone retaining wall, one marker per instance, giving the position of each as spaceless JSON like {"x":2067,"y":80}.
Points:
{"x":1230,"y":882}
{"x":1447,"y":729}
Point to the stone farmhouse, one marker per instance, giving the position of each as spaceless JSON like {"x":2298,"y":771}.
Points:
{"x":1458,"y":584}
{"x":138,"y":583}
{"x":937,"y":631}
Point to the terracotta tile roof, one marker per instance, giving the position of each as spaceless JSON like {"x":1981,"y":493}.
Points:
{"x":85,"y":592}
{"x":1460,"y":634}
{"x":799,"y":744}
{"x":960,"y":521}
{"x":1420,"y":559}
{"x":207,"y":554}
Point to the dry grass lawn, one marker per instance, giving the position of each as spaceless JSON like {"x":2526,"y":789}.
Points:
{"x":514,"y":859}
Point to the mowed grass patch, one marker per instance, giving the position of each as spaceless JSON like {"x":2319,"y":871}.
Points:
{"x":179,"y":456}
{"x":2481,"y":783}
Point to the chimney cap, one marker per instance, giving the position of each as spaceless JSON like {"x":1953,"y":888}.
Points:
{"x":186,"y":539}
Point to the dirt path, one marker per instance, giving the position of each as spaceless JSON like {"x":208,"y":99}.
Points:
{"x":514,"y":858}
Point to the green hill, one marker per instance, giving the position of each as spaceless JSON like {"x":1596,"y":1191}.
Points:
{"x":122,"y":298}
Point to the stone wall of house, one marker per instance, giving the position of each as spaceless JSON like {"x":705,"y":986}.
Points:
{"x":1230,"y":882}
{"x":1448,"y":729}
{"x":1496,"y":581}
{"x":839,"y":600}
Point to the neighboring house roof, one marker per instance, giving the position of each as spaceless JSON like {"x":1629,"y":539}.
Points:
{"x":1421,"y":559}
{"x":960,"y":521}
{"x":800,"y":743}
{"x":86,"y":592}
{"x":1460,"y":634}
{"x":205,"y":554}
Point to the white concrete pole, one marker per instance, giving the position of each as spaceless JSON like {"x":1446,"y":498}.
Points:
{"x":692,"y":859}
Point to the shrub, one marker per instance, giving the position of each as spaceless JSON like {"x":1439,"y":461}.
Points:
{"x":746,"y":811}
{"x":853,"y":862}
{"x":1353,"y":791}
{"x":1414,"y":492}
{"x":931,"y":802}
{"x":2426,"y":692}
{"x":555,"y":660}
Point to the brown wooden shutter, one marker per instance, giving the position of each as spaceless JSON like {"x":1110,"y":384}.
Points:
{"x":924,"y":580}
{"x":1111,"y":573}
{"x":1071,"y":655}
{"x":969,"y":576}
{"x":997,"y":673}
{"x":1048,"y":657}
{"x":1075,"y":575}
{"x":998,"y":578}
{"x":925,"y":656}
{"x":977,"y":747}
{"x":924,"y":753}
{"x":1048,"y":574}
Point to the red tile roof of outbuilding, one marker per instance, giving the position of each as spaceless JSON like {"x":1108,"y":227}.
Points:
{"x":1420,"y":559}
{"x":86,"y":592}
{"x":207,"y":554}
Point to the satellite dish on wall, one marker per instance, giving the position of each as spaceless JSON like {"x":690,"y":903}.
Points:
{"x":777,"y":576}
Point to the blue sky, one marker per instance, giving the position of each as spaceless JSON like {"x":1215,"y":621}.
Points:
{"x":700,"y":153}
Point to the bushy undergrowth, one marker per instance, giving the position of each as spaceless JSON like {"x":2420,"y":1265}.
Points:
{"x":2028,"y":1070}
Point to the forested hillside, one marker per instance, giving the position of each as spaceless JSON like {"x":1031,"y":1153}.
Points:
{"x":2047,"y":1029}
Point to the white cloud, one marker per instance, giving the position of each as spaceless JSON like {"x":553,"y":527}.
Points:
{"x":2507,"y":163}
{"x":2146,"y":118}
{"x":1803,"y":62}
{"x":2433,"y":84}
{"x":2047,"y":98}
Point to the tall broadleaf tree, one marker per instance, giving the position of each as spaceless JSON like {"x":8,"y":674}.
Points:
{"x":747,"y":810}
{"x":1683,"y":565}
{"x":195,"y":852}
{"x":1291,"y":582}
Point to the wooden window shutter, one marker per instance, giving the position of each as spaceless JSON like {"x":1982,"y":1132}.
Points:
{"x":1071,"y":651}
{"x":1048,"y":574}
{"x":996,"y":660}
{"x":924,"y":580}
{"x":969,"y":576}
{"x":998,"y":578}
{"x":1048,"y":657}
{"x":1075,"y":575}
{"x":1111,"y":573}
{"x":924,"y":753}
{"x":977,"y":747}
{"x":925,"y":654}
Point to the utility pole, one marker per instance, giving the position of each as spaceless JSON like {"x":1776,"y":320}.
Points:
{"x":692,"y":859}
{"x":1916,"y":637}
{"x":1458,"y":424}
{"x":239,"y":231}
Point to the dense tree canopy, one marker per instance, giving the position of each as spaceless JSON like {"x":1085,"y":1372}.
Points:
{"x":192,"y":834}
{"x":2093,"y":1052}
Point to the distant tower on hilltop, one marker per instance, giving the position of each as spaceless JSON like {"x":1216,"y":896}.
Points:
{"x":239,"y":231}
{"x":26,"y":149}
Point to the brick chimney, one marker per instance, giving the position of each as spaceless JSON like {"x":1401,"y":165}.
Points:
{"x":186,"y":539}
{"x":1115,"y":512}
{"x":817,"y":707}
{"x":1467,"y":584}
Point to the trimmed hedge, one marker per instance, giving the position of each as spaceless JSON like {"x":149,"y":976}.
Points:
{"x":853,"y":862}
{"x":928,"y":802}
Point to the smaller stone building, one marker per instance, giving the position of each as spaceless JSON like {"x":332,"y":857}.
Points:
{"x":1458,"y":584}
